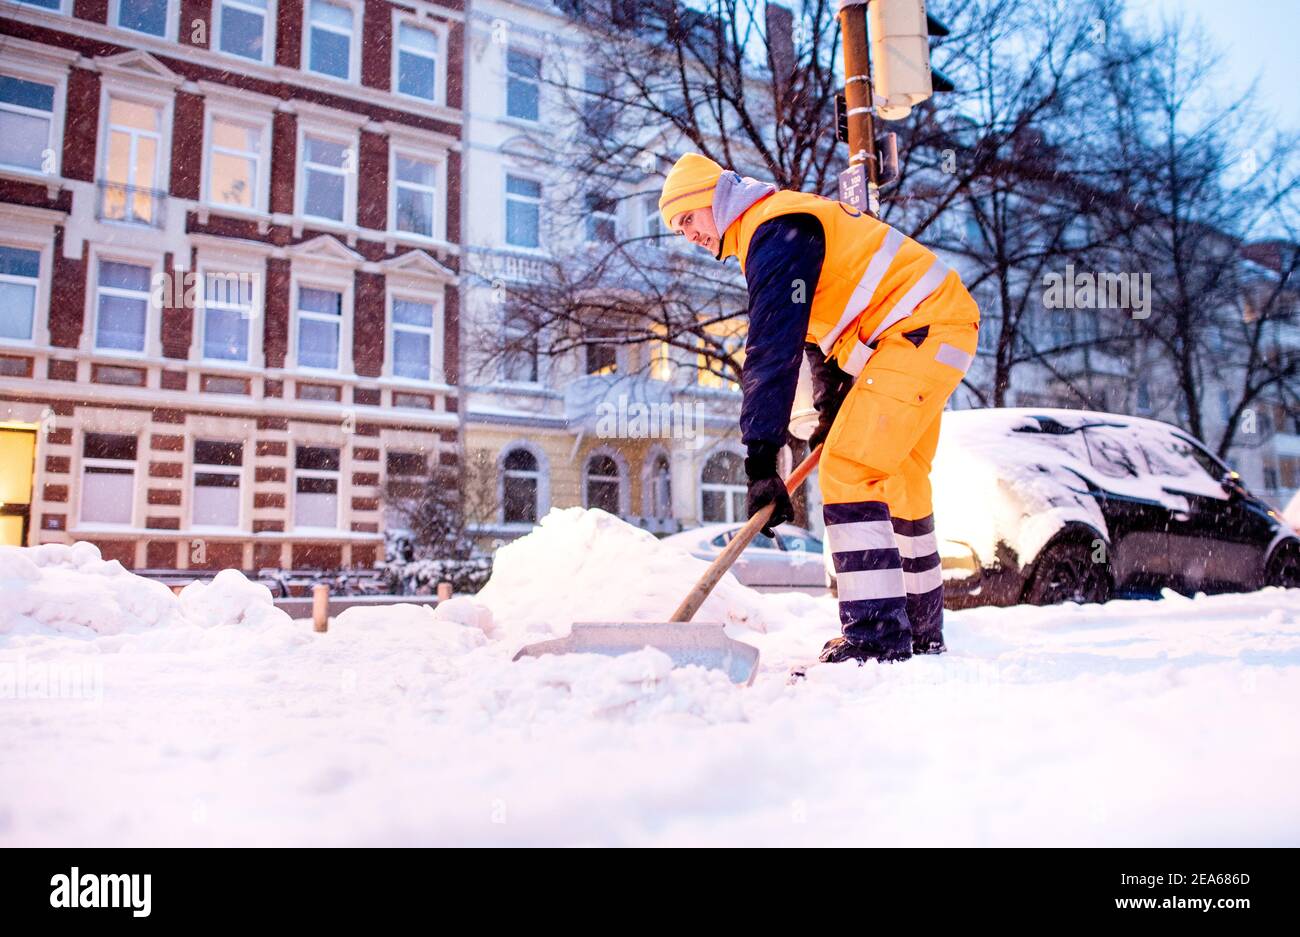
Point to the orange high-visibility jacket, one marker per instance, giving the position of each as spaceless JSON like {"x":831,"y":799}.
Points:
{"x":873,"y":278}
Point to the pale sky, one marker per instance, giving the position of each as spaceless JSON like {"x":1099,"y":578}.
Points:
{"x":1258,"y":38}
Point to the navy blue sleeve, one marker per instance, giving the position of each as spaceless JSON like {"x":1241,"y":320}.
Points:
{"x":782,"y":267}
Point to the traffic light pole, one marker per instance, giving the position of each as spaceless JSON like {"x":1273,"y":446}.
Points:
{"x":860,"y":183}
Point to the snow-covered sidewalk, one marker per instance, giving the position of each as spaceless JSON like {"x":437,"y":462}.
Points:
{"x":213,"y":719}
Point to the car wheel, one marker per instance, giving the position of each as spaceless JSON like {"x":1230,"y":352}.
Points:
{"x":1284,"y":567}
{"x":1065,"y":572}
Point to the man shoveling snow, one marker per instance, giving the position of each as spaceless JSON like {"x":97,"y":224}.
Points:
{"x":889,"y":332}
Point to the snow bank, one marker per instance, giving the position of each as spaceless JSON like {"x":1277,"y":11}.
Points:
{"x":587,"y":565}
{"x":58,"y":589}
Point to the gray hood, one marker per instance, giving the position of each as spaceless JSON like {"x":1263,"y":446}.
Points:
{"x":733,"y":196}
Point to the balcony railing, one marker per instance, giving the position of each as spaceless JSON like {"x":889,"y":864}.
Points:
{"x":131,"y":204}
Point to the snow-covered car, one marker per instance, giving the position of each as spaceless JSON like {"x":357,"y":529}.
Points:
{"x":1046,"y":505}
{"x":790,"y":562}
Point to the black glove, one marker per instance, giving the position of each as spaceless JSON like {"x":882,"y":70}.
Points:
{"x":830,"y":387}
{"x":766,"y":486}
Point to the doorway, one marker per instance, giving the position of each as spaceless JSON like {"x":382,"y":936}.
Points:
{"x":17,"y":467}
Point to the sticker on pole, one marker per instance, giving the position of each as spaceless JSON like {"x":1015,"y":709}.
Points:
{"x":853,"y":187}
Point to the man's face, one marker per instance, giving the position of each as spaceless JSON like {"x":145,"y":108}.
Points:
{"x":697,"y":227}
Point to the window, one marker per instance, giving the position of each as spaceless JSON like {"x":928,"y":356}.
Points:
{"x":523,"y":84}
{"x":107,"y":478}
{"x":661,"y":489}
{"x":320,"y":319}
{"x":519,"y":363}
{"x":316,"y":487}
{"x":121,"y":306}
{"x":602,"y":356}
{"x":217,"y":470}
{"x":227,"y":311}
{"x":604,"y":484}
{"x":654,"y":225}
{"x":143,"y":16}
{"x":19,"y":275}
{"x":710,"y":369}
{"x":407,"y":464}
{"x":26,"y":116}
{"x":234,"y":166}
{"x":417,"y":62}
{"x":414,"y":337}
{"x":242,"y":28}
{"x":519,"y":482}
{"x":55,"y":5}
{"x":325,"y":178}
{"x":330,"y":40}
{"x":132,"y":162}
{"x":661,"y":362}
{"x":598,"y":110}
{"x":600,"y":219}
{"x":722,"y":489}
{"x":523,"y":212}
{"x":796,"y":543}
{"x":415,"y":187}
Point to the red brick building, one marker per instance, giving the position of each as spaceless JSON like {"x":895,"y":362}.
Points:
{"x":229,"y":261}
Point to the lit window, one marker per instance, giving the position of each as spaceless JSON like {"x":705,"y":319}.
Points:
{"x":320,"y":319}
{"x":234,"y":166}
{"x":519,"y":484}
{"x":107,"y":478}
{"x":414,"y":197}
{"x":602,"y":356}
{"x":26,"y":116}
{"x":325,"y":171}
{"x":523,"y":84}
{"x":604,"y":484}
{"x":413,"y":339}
{"x":19,"y":275}
{"x":417,"y":62}
{"x":523,"y":212}
{"x":243,"y":25}
{"x":218,"y":467}
{"x":143,"y":16}
{"x":133,"y":161}
{"x":122,"y":306}
{"x":330,"y":40}
{"x":227,"y":311}
{"x":316,"y":487}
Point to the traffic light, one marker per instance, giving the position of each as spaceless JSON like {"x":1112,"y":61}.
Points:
{"x":900,"y":32}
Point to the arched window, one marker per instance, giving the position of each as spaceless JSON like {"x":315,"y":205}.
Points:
{"x":722,"y":489}
{"x":519,"y":479}
{"x":661,"y":489}
{"x":604,"y":484}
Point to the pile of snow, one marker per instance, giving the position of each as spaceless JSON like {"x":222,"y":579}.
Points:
{"x":59,"y":589}
{"x":587,"y":565}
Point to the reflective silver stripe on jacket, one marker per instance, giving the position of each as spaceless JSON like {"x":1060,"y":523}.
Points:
{"x":930,"y":281}
{"x":862,"y":294}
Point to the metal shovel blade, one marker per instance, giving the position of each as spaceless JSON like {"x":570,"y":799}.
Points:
{"x":685,"y":643}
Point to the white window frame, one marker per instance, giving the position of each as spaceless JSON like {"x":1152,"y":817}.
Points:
{"x":169,"y":29}
{"x":505,"y":210}
{"x":620,"y":475}
{"x":162,"y":172}
{"x":543,"y":482}
{"x":40,"y":332}
{"x":439,"y":29}
{"x":726,"y":490}
{"x":337,"y":475}
{"x":351,"y":143}
{"x":354,"y":40}
{"x":106,"y":463}
{"x":334,"y":285}
{"x":439,"y":191}
{"x":153,"y":314}
{"x":262,"y":185}
{"x":508,"y":329}
{"x":53,"y":141}
{"x":649,"y":481}
{"x":435,"y":331}
{"x":522,"y":49}
{"x":254,"y":317}
{"x":206,"y":468}
{"x":268,"y":30}
{"x":62,"y":10}
{"x":593,"y":216}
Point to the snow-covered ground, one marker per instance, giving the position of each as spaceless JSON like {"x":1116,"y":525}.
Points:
{"x":213,"y":719}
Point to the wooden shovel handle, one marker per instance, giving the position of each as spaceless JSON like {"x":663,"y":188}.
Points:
{"x":718,"y":568}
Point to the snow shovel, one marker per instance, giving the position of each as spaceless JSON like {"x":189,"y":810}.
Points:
{"x":704,"y":644}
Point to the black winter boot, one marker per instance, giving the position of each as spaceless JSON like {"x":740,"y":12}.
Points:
{"x":841,"y":649}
